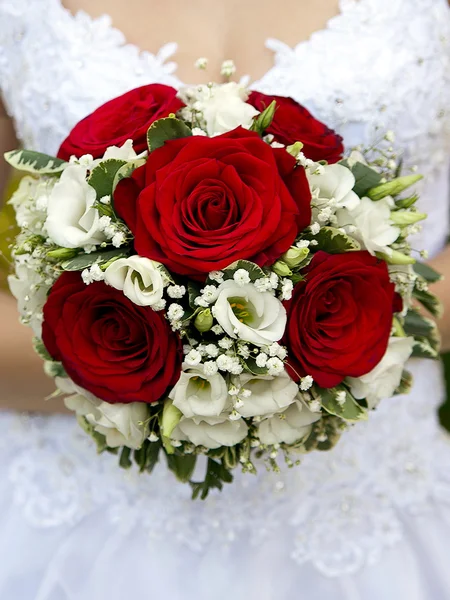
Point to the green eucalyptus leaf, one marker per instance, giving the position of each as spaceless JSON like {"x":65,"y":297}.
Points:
{"x":427,"y":272}
{"x":35,"y":162}
{"x":102,"y":176}
{"x":349,"y":410}
{"x":333,"y":241}
{"x":82,"y":261}
{"x":163,"y":130}
{"x":182,"y":465}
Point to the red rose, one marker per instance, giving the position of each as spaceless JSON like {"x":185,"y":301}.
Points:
{"x":293,"y":123}
{"x":200,"y":203}
{"x":339,"y":318}
{"x":123,"y":118}
{"x":116,"y":350}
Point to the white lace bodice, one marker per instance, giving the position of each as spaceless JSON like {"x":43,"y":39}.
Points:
{"x":381,"y":64}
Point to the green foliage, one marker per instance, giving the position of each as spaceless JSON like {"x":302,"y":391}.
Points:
{"x":125,"y":460}
{"x":429,"y":301}
{"x":416,"y":324}
{"x":406,"y":383}
{"x":102,"y":176}
{"x":41,"y":350}
{"x":365,"y":177}
{"x":427,"y":272}
{"x":147,"y":456}
{"x":164,"y":130}
{"x":253,"y":270}
{"x":35,"y":162}
{"x":182,"y":465}
{"x":216,"y":475}
{"x":349,"y":410}
{"x":125,"y":171}
{"x":250,"y":365}
{"x":333,"y":241}
{"x":82,"y":261}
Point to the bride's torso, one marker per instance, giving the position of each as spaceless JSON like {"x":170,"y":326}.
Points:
{"x":380,"y":65}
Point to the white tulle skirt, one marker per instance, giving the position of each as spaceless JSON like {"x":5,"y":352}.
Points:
{"x":368,"y":521}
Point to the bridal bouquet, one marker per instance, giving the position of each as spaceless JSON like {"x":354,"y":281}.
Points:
{"x":205,"y":273}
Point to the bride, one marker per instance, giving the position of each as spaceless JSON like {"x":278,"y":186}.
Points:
{"x":369,"y":520}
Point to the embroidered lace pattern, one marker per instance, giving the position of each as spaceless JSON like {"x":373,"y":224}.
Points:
{"x":343,"y":508}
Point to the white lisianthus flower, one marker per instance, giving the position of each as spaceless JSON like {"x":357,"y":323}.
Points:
{"x":383,"y":380}
{"x":30,"y":291}
{"x":224,"y":107}
{"x":211,"y":432}
{"x":121,"y":424}
{"x":372,"y":223}
{"x":72,"y":220}
{"x":141,"y":279}
{"x":247,"y":314}
{"x":268,"y":395}
{"x":197,"y":394}
{"x":334,"y":182}
{"x":289,"y":426}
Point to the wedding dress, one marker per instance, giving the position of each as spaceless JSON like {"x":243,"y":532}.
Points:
{"x":369,"y":520}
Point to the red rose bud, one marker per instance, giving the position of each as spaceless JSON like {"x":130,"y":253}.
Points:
{"x":127,"y":117}
{"x":200,"y":203}
{"x":294,"y":123}
{"x":118,"y":351}
{"x":339,"y":318}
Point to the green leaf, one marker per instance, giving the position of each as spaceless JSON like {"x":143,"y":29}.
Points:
{"x":423,"y":349}
{"x":82,"y":261}
{"x":416,"y":324}
{"x":333,"y":241}
{"x":193,"y":293}
{"x":406,"y":383}
{"x":164,"y":130}
{"x":349,"y":410}
{"x":182,"y":465}
{"x":216,"y":475}
{"x":124,"y":460}
{"x":146,"y":457}
{"x":41,"y":350}
{"x":255,"y":272}
{"x":102,"y":176}
{"x":99,"y":439}
{"x":429,"y":301}
{"x":53,"y":368}
{"x":126,"y":171}
{"x":366,"y":178}
{"x":35,"y":162}
{"x":250,"y":365}
{"x":427,"y":272}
